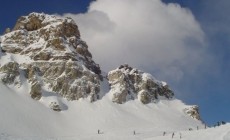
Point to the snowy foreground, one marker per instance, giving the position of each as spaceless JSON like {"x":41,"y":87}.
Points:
{"x":220,"y":133}
{"x":25,"y":119}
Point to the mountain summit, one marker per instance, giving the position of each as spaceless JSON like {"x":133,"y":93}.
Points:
{"x":44,"y":58}
{"x":48,"y":52}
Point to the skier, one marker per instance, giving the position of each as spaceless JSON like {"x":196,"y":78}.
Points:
{"x":134,"y":133}
{"x":218,"y":123}
{"x":172,"y":135}
{"x":164,"y":133}
{"x":223,"y":122}
{"x":98,"y":131}
{"x":180,"y":136}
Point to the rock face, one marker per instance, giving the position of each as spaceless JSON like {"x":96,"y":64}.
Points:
{"x":45,"y":37}
{"x":53,"y":58}
{"x":55,"y":106}
{"x":128,"y":83}
{"x":9,"y":72}
{"x":45,"y":54}
{"x":193,"y":111}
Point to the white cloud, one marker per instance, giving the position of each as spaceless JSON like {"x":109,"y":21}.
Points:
{"x":164,"y":39}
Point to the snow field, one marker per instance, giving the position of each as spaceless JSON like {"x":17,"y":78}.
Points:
{"x":23,"y":117}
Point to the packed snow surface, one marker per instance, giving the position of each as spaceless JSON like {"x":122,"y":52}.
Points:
{"x":23,"y":118}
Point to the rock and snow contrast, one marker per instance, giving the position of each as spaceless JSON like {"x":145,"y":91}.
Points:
{"x":51,"y":88}
{"x":46,"y":53}
{"x":129,"y":83}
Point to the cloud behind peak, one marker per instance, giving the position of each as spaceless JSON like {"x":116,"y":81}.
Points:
{"x":164,"y":39}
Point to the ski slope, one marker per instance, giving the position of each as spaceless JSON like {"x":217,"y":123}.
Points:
{"x":217,"y":133}
{"x":26,"y":119}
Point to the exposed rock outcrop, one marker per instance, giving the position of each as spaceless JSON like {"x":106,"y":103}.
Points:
{"x":46,"y":37}
{"x":53,"y":58}
{"x":9,"y":72}
{"x":129,"y":83}
{"x":55,"y":106}
{"x":193,"y":111}
{"x":36,"y":92}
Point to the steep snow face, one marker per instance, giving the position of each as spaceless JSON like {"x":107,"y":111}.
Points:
{"x":26,"y":119}
{"x":46,"y":54}
{"x":23,"y":118}
{"x":128,"y":83}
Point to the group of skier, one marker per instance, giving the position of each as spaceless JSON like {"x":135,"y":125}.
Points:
{"x":173,"y":134}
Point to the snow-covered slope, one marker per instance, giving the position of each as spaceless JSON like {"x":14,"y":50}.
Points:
{"x":23,"y":117}
{"x":44,"y":64}
{"x":218,"y":133}
{"x":46,"y":53}
{"x":26,"y":119}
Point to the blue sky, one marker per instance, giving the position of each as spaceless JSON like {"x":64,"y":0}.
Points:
{"x":214,"y":90}
{"x":208,"y":88}
{"x":13,"y":9}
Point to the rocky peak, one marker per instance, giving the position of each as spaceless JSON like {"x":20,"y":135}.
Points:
{"x":47,"y":51}
{"x":45,"y":54}
{"x":48,"y":37}
{"x":129,"y":83}
{"x":35,"y":21}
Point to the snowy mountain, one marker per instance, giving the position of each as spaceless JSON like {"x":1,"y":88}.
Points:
{"x":46,"y":53}
{"x":51,"y":88}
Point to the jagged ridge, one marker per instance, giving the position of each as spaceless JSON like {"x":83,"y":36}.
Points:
{"x":48,"y":52}
{"x":130,"y":83}
{"x":52,"y":57}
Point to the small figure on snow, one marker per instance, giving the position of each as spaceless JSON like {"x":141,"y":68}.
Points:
{"x":223,"y":122}
{"x":173,"y":135}
{"x":180,"y":135}
{"x":134,"y":133}
{"x":98,"y":131}
{"x":218,"y":123}
{"x":164,"y":133}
